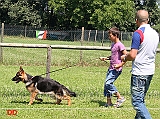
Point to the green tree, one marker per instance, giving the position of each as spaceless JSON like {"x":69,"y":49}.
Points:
{"x":71,"y":13}
{"x":41,"y":9}
{"x":152,"y":7}
{"x":154,"y":12}
{"x":95,"y":14}
{"x":108,"y":13}
{"x":21,"y":13}
{"x":4,"y":6}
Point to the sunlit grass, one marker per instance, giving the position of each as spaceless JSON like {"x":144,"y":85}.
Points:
{"x":85,"y":79}
{"x":87,"y":82}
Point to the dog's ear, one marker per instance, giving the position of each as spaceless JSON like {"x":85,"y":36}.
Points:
{"x":21,"y":69}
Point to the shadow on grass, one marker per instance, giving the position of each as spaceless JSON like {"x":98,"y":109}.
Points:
{"x":101,"y":103}
{"x":25,"y":102}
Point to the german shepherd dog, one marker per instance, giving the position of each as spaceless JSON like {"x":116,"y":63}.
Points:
{"x":39,"y":85}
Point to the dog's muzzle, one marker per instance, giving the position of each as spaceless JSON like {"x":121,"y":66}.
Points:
{"x":16,"y":79}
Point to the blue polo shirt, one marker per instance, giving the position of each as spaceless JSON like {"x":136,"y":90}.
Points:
{"x":144,"y":63}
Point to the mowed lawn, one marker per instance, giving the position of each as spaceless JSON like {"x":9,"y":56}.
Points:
{"x":86,"y":80}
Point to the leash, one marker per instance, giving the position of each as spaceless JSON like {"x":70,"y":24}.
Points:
{"x":58,"y":69}
{"x":67,"y":67}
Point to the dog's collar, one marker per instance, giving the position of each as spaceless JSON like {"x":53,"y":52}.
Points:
{"x":29,"y":82}
{"x":32,"y":77}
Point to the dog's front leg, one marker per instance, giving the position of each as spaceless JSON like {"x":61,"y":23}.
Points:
{"x":32,"y":97}
{"x":69,"y":100}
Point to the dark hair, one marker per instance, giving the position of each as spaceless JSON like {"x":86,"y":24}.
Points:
{"x":115,"y":31}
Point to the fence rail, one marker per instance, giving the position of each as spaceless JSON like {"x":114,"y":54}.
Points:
{"x":24,"y":45}
{"x":60,"y":46}
{"x":50,"y":47}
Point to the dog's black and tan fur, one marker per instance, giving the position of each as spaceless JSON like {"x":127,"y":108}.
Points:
{"x":39,"y":85}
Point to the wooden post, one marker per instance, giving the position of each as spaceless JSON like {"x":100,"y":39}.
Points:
{"x":95,"y":38}
{"x":89,"y":34}
{"x":82,"y":36}
{"x":1,"y":50}
{"x":48,"y":64}
{"x":103,"y":39}
{"x":25,"y":31}
{"x":121,"y":36}
{"x":82,"y":39}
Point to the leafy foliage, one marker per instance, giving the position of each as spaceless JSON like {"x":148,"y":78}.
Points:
{"x":113,"y":13}
{"x":22,"y":13}
{"x":73,"y":14}
{"x":152,"y":7}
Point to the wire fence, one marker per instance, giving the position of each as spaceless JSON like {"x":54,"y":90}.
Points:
{"x":36,"y":56}
{"x":62,"y":35}
{"x":61,"y":57}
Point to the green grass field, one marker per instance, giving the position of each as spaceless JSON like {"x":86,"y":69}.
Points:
{"x":86,"y":80}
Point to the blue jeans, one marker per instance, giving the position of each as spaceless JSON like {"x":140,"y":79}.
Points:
{"x":109,"y":87}
{"x":139,"y":87}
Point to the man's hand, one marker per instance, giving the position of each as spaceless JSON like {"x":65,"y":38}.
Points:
{"x":123,"y":58}
{"x":117,"y":66}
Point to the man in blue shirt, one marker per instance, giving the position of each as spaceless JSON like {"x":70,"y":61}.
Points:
{"x":143,"y":52}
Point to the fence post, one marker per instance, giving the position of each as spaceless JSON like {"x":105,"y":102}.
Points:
{"x":121,"y":36}
{"x":82,"y":38}
{"x":25,"y":31}
{"x":95,"y":37}
{"x":89,"y":35}
{"x":48,"y":65}
{"x":102,"y":38}
{"x":1,"y":50}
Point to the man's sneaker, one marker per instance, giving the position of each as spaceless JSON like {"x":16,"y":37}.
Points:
{"x":119,"y":102}
{"x":108,"y":105}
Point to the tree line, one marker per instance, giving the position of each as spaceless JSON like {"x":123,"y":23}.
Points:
{"x":74,"y":14}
